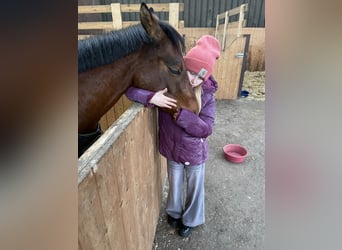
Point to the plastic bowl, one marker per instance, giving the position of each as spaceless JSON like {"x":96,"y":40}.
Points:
{"x":234,"y":153}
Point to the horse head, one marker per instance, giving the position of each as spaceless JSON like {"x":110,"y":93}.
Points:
{"x":165,"y":57}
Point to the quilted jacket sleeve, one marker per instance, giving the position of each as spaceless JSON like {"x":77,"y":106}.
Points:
{"x":201,"y":125}
{"x":140,"y":95}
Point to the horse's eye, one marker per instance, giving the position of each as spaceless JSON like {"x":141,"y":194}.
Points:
{"x":174,"y":70}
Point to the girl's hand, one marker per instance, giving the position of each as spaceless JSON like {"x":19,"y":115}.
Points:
{"x":162,"y":101}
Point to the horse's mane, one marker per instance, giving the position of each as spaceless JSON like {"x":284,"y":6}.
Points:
{"x":107,"y":48}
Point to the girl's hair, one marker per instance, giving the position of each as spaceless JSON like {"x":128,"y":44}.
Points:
{"x":198,"y":94}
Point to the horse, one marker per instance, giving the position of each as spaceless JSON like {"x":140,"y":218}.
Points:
{"x":148,"y":55}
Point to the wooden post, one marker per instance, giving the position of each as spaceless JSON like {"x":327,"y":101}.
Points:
{"x":116,"y":16}
{"x":226,"y":19}
{"x":218,"y":35}
{"x":217,"y":25}
{"x":243,"y":8}
{"x":174,"y":14}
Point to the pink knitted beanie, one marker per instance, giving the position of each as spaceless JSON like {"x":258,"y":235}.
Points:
{"x":203,"y":55}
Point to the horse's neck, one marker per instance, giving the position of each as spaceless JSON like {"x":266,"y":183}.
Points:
{"x":104,"y":86}
{"x":118,"y":76}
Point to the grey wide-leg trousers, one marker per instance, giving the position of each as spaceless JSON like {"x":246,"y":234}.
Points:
{"x":191,"y":209}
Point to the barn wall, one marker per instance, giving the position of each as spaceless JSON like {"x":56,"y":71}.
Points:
{"x":120,"y":183}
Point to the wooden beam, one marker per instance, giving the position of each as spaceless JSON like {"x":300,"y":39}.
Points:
{"x":174,"y":14}
{"x":86,"y":9}
{"x":116,"y":16}
{"x":241,"y":19}
{"x":95,"y":25}
{"x":157,"y":7}
{"x":226,"y":20}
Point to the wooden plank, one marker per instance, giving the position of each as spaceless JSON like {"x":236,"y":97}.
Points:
{"x":220,"y":32}
{"x":226,"y":20}
{"x":136,"y":7}
{"x":108,"y":190}
{"x":181,"y":24}
{"x":152,"y":192}
{"x":116,"y":16}
{"x":136,"y":159}
{"x":95,"y":25}
{"x":231,"y":83}
{"x":241,"y":19}
{"x":234,"y":11}
{"x":118,"y":108}
{"x":217,"y":25}
{"x":228,"y":69}
{"x":222,"y":15}
{"x":125,"y":172}
{"x":92,"y":231}
{"x":157,"y":7}
{"x":126,"y":102}
{"x":86,"y":9}
{"x":104,"y":122}
{"x":126,"y":24}
{"x":80,"y":37}
{"x":148,"y":195}
{"x":174,"y":14}
{"x":111,"y":117}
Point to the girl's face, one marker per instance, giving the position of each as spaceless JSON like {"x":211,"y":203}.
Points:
{"x":195,"y":79}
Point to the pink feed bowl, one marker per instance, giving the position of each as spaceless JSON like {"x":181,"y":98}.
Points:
{"x":234,"y":153}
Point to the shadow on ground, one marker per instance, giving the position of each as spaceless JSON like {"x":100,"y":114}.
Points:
{"x":235,"y":193}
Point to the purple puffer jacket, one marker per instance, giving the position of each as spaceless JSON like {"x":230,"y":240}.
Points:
{"x":184,"y":140}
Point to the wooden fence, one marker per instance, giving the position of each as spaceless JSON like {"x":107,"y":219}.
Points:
{"x":120,"y":182}
{"x":116,"y":9}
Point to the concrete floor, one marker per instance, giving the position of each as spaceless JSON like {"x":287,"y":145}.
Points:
{"x":235,"y":193}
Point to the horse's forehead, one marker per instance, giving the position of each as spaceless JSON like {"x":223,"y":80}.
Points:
{"x":173,"y":48}
{"x":167,"y":51}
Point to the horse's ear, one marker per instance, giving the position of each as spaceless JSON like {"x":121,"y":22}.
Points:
{"x":150,"y":22}
{"x":152,"y":10}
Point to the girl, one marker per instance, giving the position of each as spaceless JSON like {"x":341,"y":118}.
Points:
{"x":183,"y":136}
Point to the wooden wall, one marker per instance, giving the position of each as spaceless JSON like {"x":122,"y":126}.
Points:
{"x":119,"y":190}
{"x":115,"y":112}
